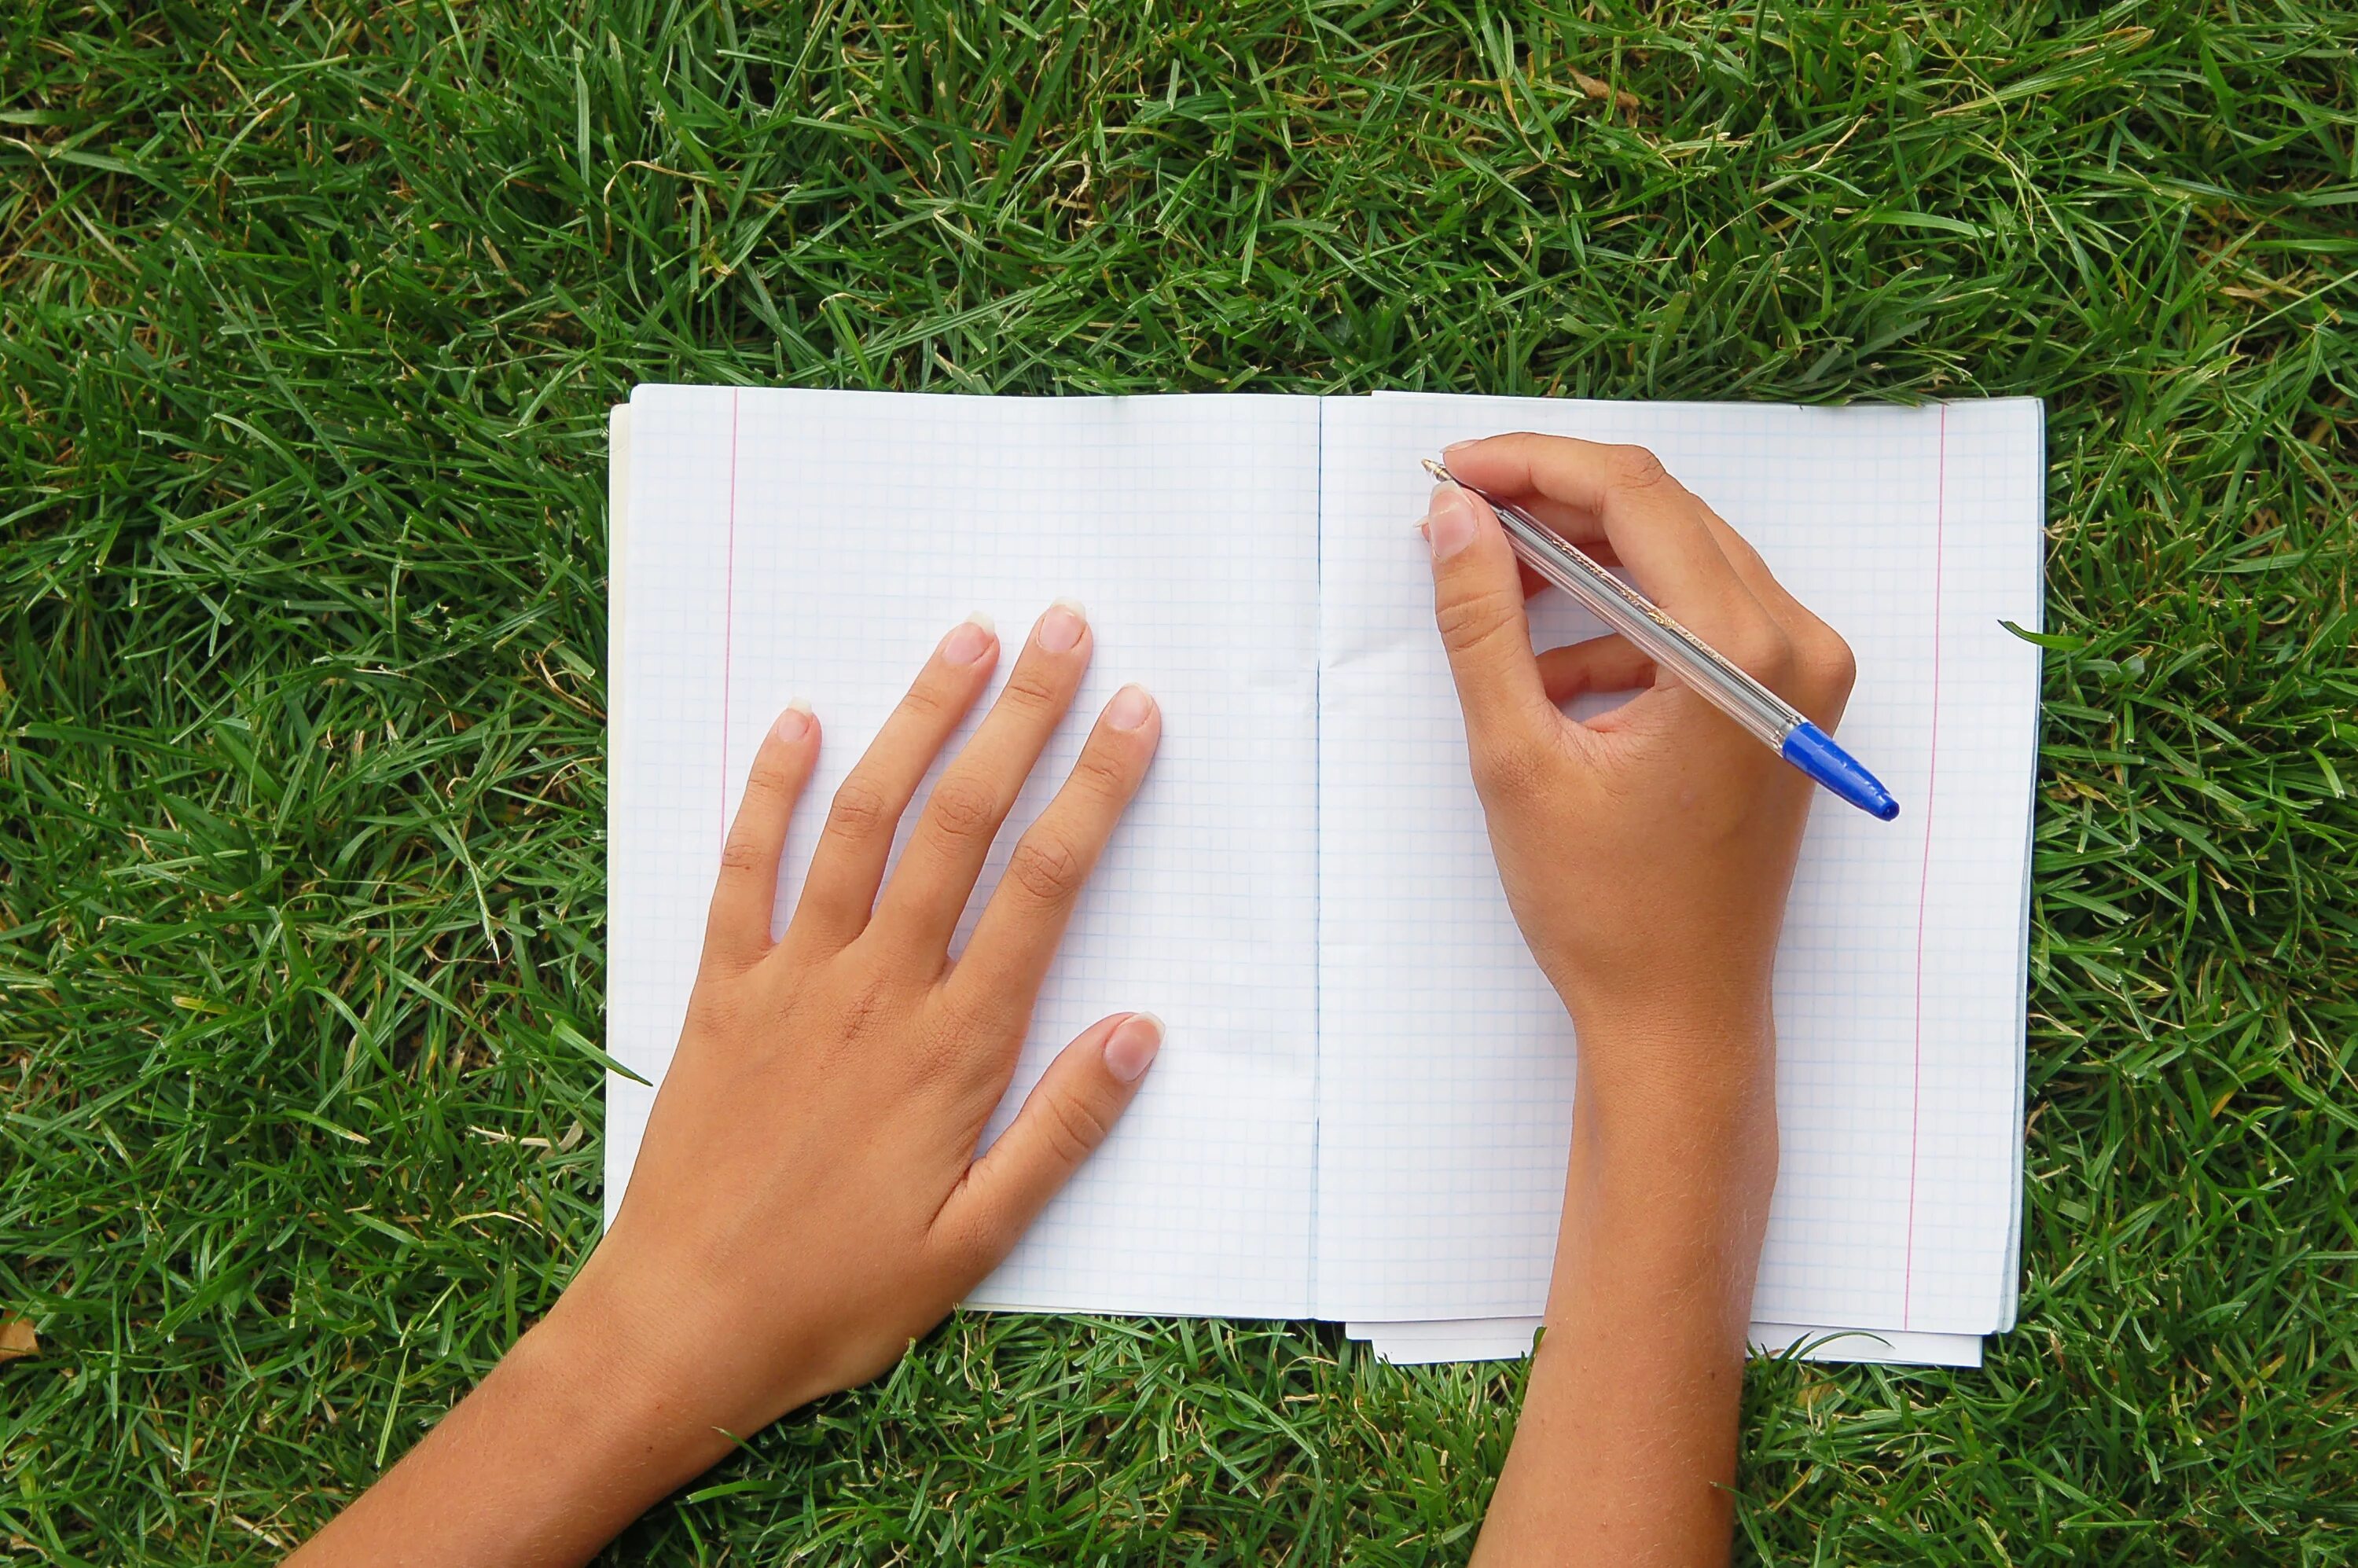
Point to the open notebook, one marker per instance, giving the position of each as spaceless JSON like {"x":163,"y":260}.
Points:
{"x":1363,"y":1107}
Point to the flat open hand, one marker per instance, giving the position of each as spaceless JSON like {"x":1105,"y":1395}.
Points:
{"x":807,"y":1200}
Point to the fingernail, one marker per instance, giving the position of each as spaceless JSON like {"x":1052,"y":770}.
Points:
{"x":1060,"y":628}
{"x":968,"y":640}
{"x":795,"y":722}
{"x":1129,"y":708}
{"x":1455,"y":446}
{"x":1130,"y":1049}
{"x":1449,"y":523}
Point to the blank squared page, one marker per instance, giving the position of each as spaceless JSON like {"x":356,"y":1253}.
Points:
{"x":789,"y":542}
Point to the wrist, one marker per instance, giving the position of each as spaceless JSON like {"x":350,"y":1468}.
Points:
{"x":620,"y":1426}
{"x":565,"y":1443}
{"x":1678,"y":1056}
{"x":687,"y":1364}
{"x":1664,"y":1003}
{"x":1678,"y":1106}
{"x":1674,"y":1164}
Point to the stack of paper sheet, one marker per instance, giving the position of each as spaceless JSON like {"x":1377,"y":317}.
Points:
{"x":1363,"y":1110}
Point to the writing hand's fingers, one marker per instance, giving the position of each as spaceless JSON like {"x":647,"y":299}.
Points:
{"x":1584,"y":527}
{"x":1811,"y":667}
{"x":1478,"y":601}
{"x":1684,"y":553}
{"x":840,"y":887}
{"x":1663,"y":534}
{"x":1575,"y":526}
{"x":1066,"y":1116}
{"x":738,"y":930}
{"x":1802,"y":657}
{"x":1600,"y":663}
{"x":945,"y":851}
{"x":1822,"y":667}
{"x":999,"y":973}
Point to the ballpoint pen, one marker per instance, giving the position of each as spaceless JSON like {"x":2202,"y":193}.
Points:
{"x":1696,"y":664}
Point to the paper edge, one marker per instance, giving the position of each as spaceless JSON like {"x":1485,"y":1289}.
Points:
{"x":617,"y":533}
{"x":1435,"y":1342}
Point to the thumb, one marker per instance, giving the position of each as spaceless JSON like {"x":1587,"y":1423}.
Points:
{"x":1478,"y":600}
{"x":1067,"y":1114}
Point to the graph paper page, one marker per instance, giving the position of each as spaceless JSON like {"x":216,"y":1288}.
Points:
{"x":787,"y":543}
{"x":1446,"y":1066}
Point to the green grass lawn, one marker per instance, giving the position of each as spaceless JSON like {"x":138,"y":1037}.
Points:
{"x":309,"y":315}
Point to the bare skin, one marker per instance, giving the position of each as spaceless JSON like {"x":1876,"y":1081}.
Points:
{"x":807,"y":1201}
{"x":1647,"y":855}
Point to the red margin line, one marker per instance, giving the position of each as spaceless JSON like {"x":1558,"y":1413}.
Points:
{"x":1924,"y":876}
{"x":728,"y":614}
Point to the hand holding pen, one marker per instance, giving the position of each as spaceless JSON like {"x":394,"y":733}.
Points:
{"x":1678,"y":654}
{"x":1657,"y":839}
{"x":1646,"y":854}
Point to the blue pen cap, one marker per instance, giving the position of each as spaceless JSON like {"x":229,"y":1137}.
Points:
{"x":1813,"y":751}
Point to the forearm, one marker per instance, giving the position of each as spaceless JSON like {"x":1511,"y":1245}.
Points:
{"x":566,"y":1442}
{"x":1627,"y":1447}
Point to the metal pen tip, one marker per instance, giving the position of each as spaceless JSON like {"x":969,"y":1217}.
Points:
{"x":1439,"y":472}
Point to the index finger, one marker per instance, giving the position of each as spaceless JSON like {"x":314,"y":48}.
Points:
{"x":1013,"y":943}
{"x":1660,"y":530}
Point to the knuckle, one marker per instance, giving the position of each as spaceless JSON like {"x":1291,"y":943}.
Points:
{"x":768,"y":779}
{"x":858,"y":809}
{"x":1740,"y":553}
{"x":970,"y":1006}
{"x":934,"y":1061}
{"x":1763,"y":650}
{"x":1074,"y":1128}
{"x":740,"y":854}
{"x":1032,"y":687}
{"x":985,"y":1007}
{"x":1832,"y":664}
{"x":1046,"y":867}
{"x":924,"y":701}
{"x":1634,"y":467}
{"x":964,"y":806}
{"x":864,"y":1004}
{"x":1102,"y":774}
{"x":1470,"y":619}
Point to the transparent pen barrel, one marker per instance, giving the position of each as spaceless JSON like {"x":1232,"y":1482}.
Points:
{"x":1670,"y":646}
